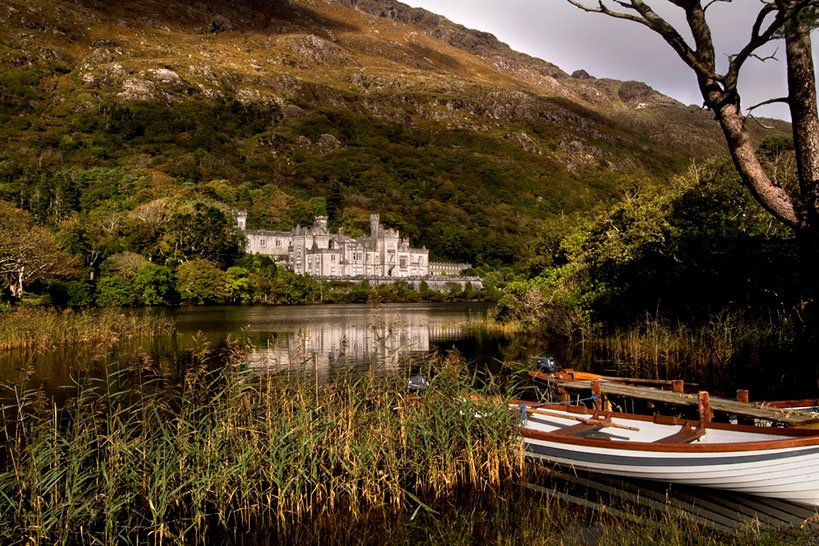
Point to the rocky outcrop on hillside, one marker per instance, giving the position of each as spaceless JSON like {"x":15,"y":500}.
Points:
{"x":376,"y":58}
{"x":541,"y":74}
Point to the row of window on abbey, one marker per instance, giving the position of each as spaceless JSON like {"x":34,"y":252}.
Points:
{"x":383,"y":254}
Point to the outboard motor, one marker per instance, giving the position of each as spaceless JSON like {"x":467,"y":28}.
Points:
{"x":417,"y":384}
{"x":546,"y":364}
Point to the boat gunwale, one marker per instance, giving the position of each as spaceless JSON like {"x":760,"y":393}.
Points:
{"x":801,"y":437}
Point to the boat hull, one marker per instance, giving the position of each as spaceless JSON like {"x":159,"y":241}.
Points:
{"x":791,"y":475}
{"x":783,"y":464}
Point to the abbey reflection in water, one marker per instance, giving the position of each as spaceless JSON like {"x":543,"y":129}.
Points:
{"x":328,"y":341}
{"x":340,"y":336}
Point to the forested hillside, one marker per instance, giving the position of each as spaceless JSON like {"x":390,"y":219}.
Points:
{"x":125,"y":121}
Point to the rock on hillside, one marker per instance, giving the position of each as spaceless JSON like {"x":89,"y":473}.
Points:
{"x":285,"y":52}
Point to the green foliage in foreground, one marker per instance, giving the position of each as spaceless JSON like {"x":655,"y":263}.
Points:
{"x":194,"y":456}
{"x":701,"y":246}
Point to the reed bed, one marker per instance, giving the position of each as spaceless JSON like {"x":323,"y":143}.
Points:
{"x":226,"y":452}
{"x":659,"y":349}
{"x":216,"y":452}
{"x":41,"y":330}
{"x":490,"y":326}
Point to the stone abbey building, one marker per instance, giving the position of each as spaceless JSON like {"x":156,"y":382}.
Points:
{"x":381,"y":257}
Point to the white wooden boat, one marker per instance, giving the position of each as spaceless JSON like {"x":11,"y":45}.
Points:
{"x":779,"y":463}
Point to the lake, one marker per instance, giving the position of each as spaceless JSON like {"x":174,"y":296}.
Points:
{"x":321,"y":339}
{"x":328,"y":340}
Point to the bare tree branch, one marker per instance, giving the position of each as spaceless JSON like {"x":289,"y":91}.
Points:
{"x":759,"y":122}
{"x":649,"y":18}
{"x":712,"y":2}
{"x":771,"y":57}
{"x":721,"y":95}
{"x":766,"y":102}
{"x":758,"y":38}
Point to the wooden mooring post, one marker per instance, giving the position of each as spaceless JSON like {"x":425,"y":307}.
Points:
{"x":678,"y":385}
{"x":704,"y":403}
{"x":597,"y":392}
{"x":743,"y":395}
{"x":565,"y":396}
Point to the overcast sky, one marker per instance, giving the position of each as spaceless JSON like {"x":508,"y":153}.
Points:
{"x":562,"y":34}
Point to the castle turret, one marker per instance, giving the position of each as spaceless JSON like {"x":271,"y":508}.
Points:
{"x":241,"y":219}
{"x":321,"y":224}
{"x":375,"y":221}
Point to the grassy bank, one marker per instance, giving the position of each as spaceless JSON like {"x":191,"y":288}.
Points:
{"x":43,"y":330}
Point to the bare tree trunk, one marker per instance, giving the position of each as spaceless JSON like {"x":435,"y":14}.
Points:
{"x":805,"y":126}
{"x":17,"y":284}
{"x":771,"y":196}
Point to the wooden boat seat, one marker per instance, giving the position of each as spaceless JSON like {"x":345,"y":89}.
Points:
{"x":592,"y":424}
{"x":685,"y":435}
{"x":578,"y":429}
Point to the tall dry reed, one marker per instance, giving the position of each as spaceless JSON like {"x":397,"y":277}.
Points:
{"x":41,"y":330}
{"x":225,"y":451}
{"x":215,"y":452}
{"x":659,"y":349}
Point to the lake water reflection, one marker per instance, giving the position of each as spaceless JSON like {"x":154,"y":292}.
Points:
{"x":321,"y":339}
{"x":332,"y":338}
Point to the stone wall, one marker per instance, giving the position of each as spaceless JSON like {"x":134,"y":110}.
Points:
{"x":447,"y":268}
{"x":436,"y":284}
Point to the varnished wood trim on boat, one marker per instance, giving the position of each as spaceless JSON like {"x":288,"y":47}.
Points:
{"x":685,"y":448}
{"x":685,"y":435}
{"x":670,"y":420}
{"x":578,"y":429}
{"x":800,"y":437}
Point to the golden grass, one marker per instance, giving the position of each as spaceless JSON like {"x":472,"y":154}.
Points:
{"x":230,"y":450}
{"x":219,"y":453}
{"x":42,"y":330}
{"x":659,"y":349}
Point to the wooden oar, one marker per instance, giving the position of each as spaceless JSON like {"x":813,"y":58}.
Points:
{"x":590,"y":421}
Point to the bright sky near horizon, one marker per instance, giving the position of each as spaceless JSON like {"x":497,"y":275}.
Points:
{"x":559,"y":33}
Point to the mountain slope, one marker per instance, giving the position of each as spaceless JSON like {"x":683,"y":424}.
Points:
{"x":293,"y":108}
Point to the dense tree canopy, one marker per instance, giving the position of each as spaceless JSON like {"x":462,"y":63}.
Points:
{"x":698,"y":247}
{"x":27,"y":252}
{"x":206,"y":233}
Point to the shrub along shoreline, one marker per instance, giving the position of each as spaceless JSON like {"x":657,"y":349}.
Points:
{"x":129,"y":280}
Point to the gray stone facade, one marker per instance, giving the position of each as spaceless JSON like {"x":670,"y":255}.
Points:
{"x":448,"y":269}
{"x":382,"y":256}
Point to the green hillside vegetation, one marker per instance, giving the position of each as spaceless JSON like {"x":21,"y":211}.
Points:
{"x":700,"y":246}
{"x":467,"y":196}
{"x":128,"y":124}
